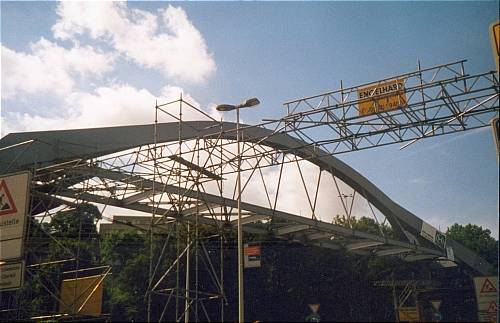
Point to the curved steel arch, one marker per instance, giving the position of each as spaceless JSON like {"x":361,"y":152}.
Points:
{"x":21,"y":151}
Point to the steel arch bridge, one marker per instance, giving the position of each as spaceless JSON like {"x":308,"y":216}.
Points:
{"x":186,"y":171}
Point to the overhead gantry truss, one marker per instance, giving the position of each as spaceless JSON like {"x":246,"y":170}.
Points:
{"x":439,"y":100}
{"x":121,"y":167}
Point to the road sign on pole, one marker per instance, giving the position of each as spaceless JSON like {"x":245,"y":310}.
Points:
{"x":314,"y":316}
{"x":436,"y":304}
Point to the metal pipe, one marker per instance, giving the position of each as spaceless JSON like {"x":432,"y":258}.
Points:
{"x":187,"y":300}
{"x":241,"y":305}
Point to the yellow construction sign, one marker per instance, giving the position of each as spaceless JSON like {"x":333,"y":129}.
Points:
{"x":381,"y":97}
{"x":82,"y":295}
{"x":495,"y":43}
{"x":408,"y":314}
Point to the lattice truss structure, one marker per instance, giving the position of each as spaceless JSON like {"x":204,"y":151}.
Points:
{"x":194,"y":182}
{"x":292,"y":186}
{"x":440,"y":100}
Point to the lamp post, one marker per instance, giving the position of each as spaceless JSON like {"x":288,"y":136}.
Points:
{"x":228,"y":107}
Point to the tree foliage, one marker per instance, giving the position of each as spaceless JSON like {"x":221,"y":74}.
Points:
{"x":128,"y":255}
{"x":70,"y":236}
{"x":476,"y":239}
{"x":292,"y":274}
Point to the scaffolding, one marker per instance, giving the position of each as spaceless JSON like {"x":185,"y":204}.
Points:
{"x":184,"y":174}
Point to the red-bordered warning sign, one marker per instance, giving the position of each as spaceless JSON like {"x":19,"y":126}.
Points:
{"x":7,"y":205}
{"x":14,"y":199}
{"x":487,"y":298}
{"x":252,"y":251}
{"x":488,"y":287}
{"x":493,"y":307}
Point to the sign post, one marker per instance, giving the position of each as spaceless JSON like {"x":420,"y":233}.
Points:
{"x":314,"y":316}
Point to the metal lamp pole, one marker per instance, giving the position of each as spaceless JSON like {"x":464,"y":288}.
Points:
{"x":227,"y":107}
{"x":241,"y":303}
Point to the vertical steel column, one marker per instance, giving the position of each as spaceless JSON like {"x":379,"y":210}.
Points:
{"x":186,"y":300}
{"x":155,"y":140}
{"x":196,"y":234}
{"x":241,"y":305}
{"x":222,"y":231}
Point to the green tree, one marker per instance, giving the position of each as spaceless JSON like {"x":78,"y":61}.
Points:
{"x":79,"y":223}
{"x":71,"y":234}
{"x":364,"y":224}
{"x":477,"y":239}
{"x":127,"y":252}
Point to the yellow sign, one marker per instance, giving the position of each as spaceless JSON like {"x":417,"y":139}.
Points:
{"x":380,"y":97}
{"x":495,"y":43}
{"x":495,"y":126}
{"x":82,"y":296}
{"x":408,"y":314}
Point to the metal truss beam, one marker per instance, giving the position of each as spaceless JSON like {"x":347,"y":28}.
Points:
{"x":448,"y":103}
{"x":363,"y":245}
{"x":440,"y":100}
{"x":391,"y":251}
{"x":195,"y":167}
{"x":299,"y":222}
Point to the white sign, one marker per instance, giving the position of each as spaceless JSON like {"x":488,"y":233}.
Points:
{"x":11,"y":275}
{"x":450,"y":254}
{"x":13,"y":208}
{"x":432,"y":234}
{"x":428,"y":231}
{"x":252,"y":253}
{"x":487,"y":298}
{"x":314,"y":308}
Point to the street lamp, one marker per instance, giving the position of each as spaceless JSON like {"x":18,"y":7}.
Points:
{"x":228,"y":107}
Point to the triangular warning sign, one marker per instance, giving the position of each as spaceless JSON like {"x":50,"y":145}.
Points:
{"x":488,"y":287}
{"x":7,"y":205}
{"x":493,"y":307}
{"x":314,"y":308}
{"x":436,"y":304}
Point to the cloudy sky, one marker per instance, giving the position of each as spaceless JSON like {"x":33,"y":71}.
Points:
{"x":77,"y":65}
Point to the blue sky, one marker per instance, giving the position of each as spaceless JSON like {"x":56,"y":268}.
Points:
{"x":277,"y":51}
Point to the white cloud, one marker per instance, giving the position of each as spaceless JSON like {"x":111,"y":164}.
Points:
{"x":292,"y":196}
{"x":107,"y":106}
{"x":180,"y":52}
{"x":49,"y":68}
